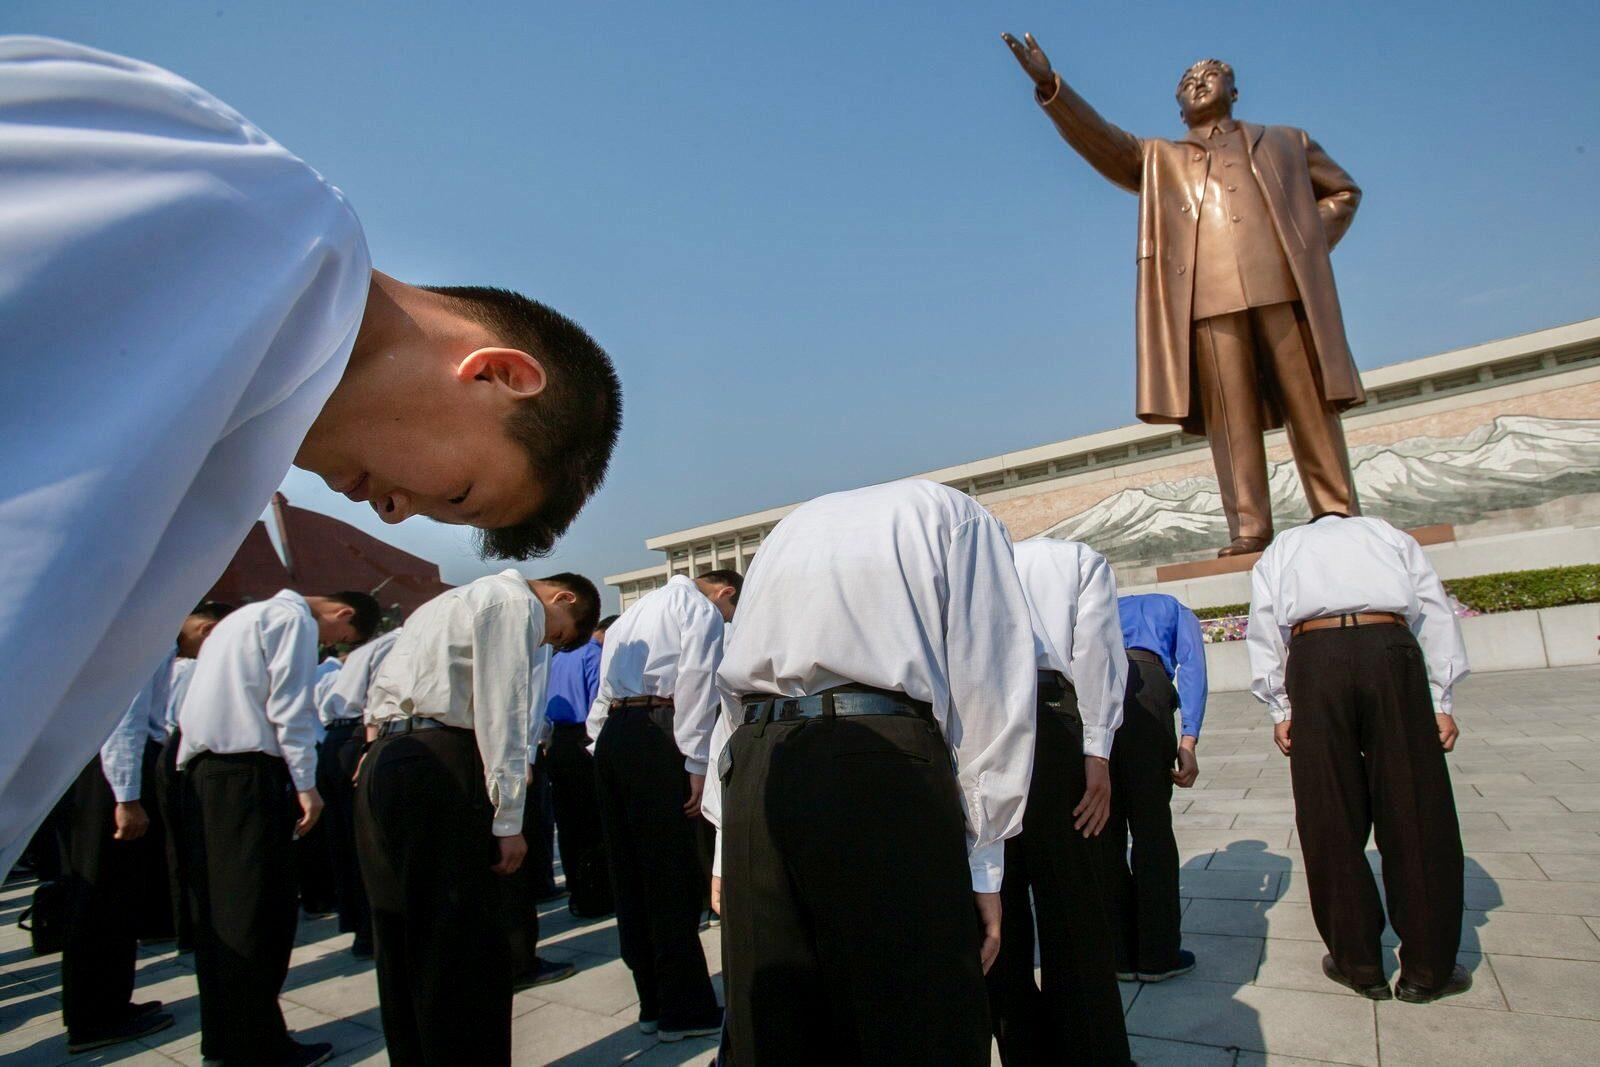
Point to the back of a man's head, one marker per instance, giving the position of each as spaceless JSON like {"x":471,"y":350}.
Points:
{"x":586,"y":609}
{"x":568,"y":430}
{"x":368,"y":612}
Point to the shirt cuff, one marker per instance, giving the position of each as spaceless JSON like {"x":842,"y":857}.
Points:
{"x":508,"y":821}
{"x":1281,"y":713}
{"x":1097,"y":741}
{"x":304,"y":775}
{"x":1442,"y":702}
{"x":988,"y":867}
{"x":716,"y":857}
{"x":695,"y":766}
{"x":125,"y":794}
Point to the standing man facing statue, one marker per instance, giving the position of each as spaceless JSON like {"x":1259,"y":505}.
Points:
{"x":1238,"y":321}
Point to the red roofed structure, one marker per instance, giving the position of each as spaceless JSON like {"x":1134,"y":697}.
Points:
{"x":320,"y":554}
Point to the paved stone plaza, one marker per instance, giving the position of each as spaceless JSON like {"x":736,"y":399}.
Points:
{"x":1527,"y":781}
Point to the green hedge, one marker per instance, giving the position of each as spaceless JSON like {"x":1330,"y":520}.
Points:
{"x":1489,"y":593}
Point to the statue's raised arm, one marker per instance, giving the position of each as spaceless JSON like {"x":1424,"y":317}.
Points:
{"x":1109,"y":149}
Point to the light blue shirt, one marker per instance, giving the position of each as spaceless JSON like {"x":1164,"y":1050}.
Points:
{"x":1158,"y":623}
{"x":122,"y":756}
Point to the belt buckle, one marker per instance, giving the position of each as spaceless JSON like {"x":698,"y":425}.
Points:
{"x":785,"y":709}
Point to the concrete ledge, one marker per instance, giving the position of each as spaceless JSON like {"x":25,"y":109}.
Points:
{"x":1509,"y":641}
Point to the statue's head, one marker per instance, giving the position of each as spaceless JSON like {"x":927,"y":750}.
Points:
{"x":1206,"y":92}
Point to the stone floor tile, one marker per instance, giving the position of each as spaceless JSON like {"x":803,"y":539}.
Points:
{"x":1427,"y":1035}
{"x":1287,"y":1021}
{"x":1233,"y":885}
{"x":1154,"y":1052}
{"x":1514,"y":933}
{"x":1263,"y":820}
{"x":1548,"y":898}
{"x":1550,"y":987}
{"x":601,"y":986}
{"x":1220,"y":958}
{"x":557,"y":1033}
{"x":1569,"y":866}
{"x":1250,"y":856}
{"x":1245,"y":918}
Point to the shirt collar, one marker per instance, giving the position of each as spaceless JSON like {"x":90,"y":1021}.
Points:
{"x":294,"y":598}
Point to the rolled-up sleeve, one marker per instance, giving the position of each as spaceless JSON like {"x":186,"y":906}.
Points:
{"x":289,"y":640}
{"x":1265,"y":642}
{"x":505,"y":639}
{"x":989,"y":653}
{"x":1099,"y":663}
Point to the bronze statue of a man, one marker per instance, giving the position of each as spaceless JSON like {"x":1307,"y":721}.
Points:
{"x":1238,"y":321}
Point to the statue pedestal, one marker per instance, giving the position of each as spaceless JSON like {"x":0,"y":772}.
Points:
{"x":1205,"y":568}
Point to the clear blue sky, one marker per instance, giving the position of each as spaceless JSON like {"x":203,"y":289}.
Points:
{"x":833,"y":243}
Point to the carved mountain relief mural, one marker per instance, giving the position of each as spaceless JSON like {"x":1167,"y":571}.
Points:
{"x":1516,"y":461}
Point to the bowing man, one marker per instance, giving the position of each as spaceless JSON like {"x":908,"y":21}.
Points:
{"x":652,"y":724}
{"x":873,"y":755}
{"x":439,"y":806}
{"x":237,"y":328}
{"x":249,"y":764}
{"x":1076,"y":1016}
{"x":1362,"y":708}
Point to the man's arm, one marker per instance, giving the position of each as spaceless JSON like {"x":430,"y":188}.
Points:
{"x":504,"y":646}
{"x":1099,"y":664}
{"x":989,"y":650}
{"x":1114,"y":152}
{"x":600,"y":710}
{"x":1437,"y":628}
{"x":1264,"y":641}
{"x":1337,"y":194}
{"x":694,"y":691}
{"x":1190,"y":655}
{"x":289,"y":640}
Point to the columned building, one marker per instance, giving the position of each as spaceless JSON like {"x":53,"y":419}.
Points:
{"x":1495,"y":439}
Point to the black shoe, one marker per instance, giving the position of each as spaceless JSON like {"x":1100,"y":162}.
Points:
{"x":1184,"y":966}
{"x":710,"y":1028}
{"x":318,"y":911}
{"x":1380,"y":991}
{"x":362,"y":948}
{"x":544,"y":972}
{"x":144,"y":1007}
{"x":590,"y":916}
{"x":133,"y":1027}
{"x":308,"y":1054}
{"x":1127,"y":976}
{"x":1459,"y":982}
{"x":549,"y":895}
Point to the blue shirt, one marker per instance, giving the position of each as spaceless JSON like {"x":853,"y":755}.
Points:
{"x":574,"y":682}
{"x":1157,"y":623}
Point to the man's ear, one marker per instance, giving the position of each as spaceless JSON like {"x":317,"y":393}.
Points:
{"x":564,"y":596}
{"x":344,"y":613}
{"x":206,"y":628}
{"x":519,"y":372}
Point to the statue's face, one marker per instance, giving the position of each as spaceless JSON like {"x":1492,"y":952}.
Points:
{"x":1206,"y":93}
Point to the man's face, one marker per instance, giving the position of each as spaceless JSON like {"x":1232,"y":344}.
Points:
{"x":1205,"y":93}
{"x":193,"y":633}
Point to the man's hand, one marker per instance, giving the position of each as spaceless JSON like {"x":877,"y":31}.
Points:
{"x":716,"y":893}
{"x":697,"y":788}
{"x":131,"y":821}
{"x":355,"y":775}
{"x":1095,"y":807}
{"x":310,"y":812}
{"x":1280,"y":734}
{"x":513,"y":850}
{"x":1447,"y":731}
{"x":1188,"y":766}
{"x":1033,"y":60}
{"x":989,"y":921}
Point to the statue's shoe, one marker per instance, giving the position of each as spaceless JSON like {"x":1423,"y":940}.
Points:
{"x":1244,"y":546}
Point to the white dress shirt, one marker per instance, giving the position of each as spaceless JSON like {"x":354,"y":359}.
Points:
{"x":122,"y":756}
{"x":908,"y":586}
{"x":205,"y":287}
{"x":252,"y":687}
{"x":468,"y":658}
{"x":538,"y":723}
{"x":667,"y":644}
{"x":346,"y":694}
{"x":1337,"y":566}
{"x":1072,"y":600}
{"x":177,"y":689}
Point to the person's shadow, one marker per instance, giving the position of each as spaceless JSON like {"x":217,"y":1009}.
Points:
{"x":1227,"y":896}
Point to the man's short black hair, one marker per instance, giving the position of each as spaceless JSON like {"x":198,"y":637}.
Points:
{"x":586,"y":611}
{"x":605,"y":623}
{"x":215,"y":610}
{"x":568,"y":431}
{"x":730,"y":578}
{"x":368,"y":612}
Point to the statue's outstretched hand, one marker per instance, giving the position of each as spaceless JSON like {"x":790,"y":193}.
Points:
{"x":1032,"y":58}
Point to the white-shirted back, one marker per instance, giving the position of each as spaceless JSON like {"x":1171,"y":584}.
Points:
{"x":470,"y":658}
{"x":908,"y":586}
{"x":346,"y":695}
{"x":205,"y":288}
{"x":1340,"y":566}
{"x":1072,"y":600}
{"x":253,"y":685}
{"x":667,"y":644}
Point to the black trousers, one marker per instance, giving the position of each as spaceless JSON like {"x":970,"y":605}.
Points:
{"x":1365,"y":757}
{"x":101,"y":881}
{"x":154,"y":893}
{"x":539,"y":830}
{"x":1141,"y":893}
{"x":239,"y":814}
{"x":1077,"y":1016}
{"x":655,"y":870}
{"x":337,"y":758}
{"x":849,"y":930}
{"x":576,"y":794}
{"x":169,"y":799}
{"x":519,"y":894}
{"x":424,"y":832}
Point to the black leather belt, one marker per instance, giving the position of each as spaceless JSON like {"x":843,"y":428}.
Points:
{"x":845,"y":701}
{"x":354,"y":720}
{"x":1147,"y":656}
{"x":396,"y":727}
{"x":644,"y":703}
